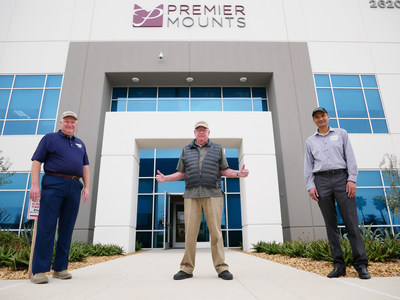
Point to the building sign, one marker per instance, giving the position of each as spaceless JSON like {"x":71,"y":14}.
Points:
{"x":193,"y":15}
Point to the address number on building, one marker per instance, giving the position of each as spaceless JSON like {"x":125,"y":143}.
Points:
{"x":384,"y":4}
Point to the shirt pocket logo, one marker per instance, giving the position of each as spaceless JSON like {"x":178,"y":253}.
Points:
{"x":334,"y":138}
{"x":78,"y":145}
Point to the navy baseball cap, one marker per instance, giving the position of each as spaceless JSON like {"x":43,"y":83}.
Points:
{"x":321,"y":109}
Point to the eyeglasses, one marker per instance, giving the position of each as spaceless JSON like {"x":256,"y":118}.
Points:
{"x":201,"y":130}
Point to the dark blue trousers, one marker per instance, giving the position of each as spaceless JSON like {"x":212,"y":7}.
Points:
{"x":60,"y":198}
{"x":331,"y":188}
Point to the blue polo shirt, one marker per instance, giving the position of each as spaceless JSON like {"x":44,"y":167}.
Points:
{"x":62,"y":154}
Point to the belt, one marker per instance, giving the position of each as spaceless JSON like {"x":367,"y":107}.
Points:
{"x":330,"y":172}
{"x":62,"y":175}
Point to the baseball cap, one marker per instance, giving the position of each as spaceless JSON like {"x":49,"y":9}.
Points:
{"x":321,"y":109}
{"x":201,"y":123}
{"x":69,"y":114}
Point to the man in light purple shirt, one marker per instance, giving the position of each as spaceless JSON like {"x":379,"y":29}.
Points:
{"x":330,"y":173}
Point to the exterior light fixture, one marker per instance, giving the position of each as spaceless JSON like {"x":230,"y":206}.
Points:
{"x":243,"y":79}
{"x":135,"y":79}
{"x":189,"y":79}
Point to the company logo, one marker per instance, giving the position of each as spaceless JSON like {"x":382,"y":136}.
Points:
{"x":144,"y":18}
{"x":191,"y":15}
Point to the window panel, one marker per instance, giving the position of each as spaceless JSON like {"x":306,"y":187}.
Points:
{"x":29,"y":81}
{"x":325,"y":100}
{"x":369,"y":178}
{"x":118,"y":105}
{"x":20,"y":127}
{"x":234,"y":92}
{"x":206,"y":105}
{"x":145,"y":185}
{"x":234,"y":212}
{"x":233,"y":185}
{"x":159,"y":212}
{"x":333,"y":123}
{"x":17,"y":181}
{"x":260,"y":105}
{"x":379,"y":126}
{"x":144,"y":238}
{"x":171,"y":186}
{"x":11,"y":208}
{"x":369,"y":81}
{"x":158,"y":239}
{"x":345,"y":81}
{"x":355,"y":126}
{"x":50,"y":104}
{"x":237,"y":105}
{"x":54,"y":81}
{"x":371,"y":209}
{"x":46,"y":127}
{"x":141,"y":105}
{"x":6,"y":81}
{"x":322,"y":80}
{"x":205,"y":92}
{"x":235,"y":238}
{"x":25,"y":104}
{"x":142,"y":93}
{"x":4,"y":97}
{"x":259,"y":92}
{"x":173,"y":92}
{"x":350,"y":103}
{"x":120,"y":93}
{"x":144,"y":212}
{"x":389,"y":176}
{"x":374,"y":104}
{"x":173,"y":105}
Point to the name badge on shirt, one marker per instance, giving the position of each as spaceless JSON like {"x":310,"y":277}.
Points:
{"x":334,"y":138}
{"x":78,"y":145}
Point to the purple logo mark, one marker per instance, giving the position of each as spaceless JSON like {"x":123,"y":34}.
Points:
{"x":144,"y":18}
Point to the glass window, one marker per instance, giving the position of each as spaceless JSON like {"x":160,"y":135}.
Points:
{"x":120,"y":93}
{"x":237,"y":105}
{"x":11,"y":208}
{"x":345,"y":81}
{"x":159,"y":212}
{"x":4,"y":98}
{"x":171,"y":92}
{"x":235,"y":238}
{"x":170,"y":186}
{"x":25,"y":104}
{"x":145,"y":185}
{"x":54,"y":81}
{"x":352,"y":102}
{"x":333,"y":123}
{"x":144,"y":238}
{"x":173,"y":105}
{"x":46,"y":127}
{"x":260,"y":105}
{"x":118,"y":105}
{"x":259,"y":93}
{"x":6,"y":81}
{"x":209,"y":92}
{"x":142,"y":93}
{"x":235,"y":92}
{"x":16,"y":181}
{"x":370,"y":208}
{"x":144,"y":212}
{"x":141,"y":105}
{"x":158,"y":239}
{"x":50,"y":104}
{"x":369,"y":178}
{"x":233,"y":185}
{"x":206,"y":105}
{"x":234,"y":212}
{"x":29,"y":81}
{"x":20,"y":127}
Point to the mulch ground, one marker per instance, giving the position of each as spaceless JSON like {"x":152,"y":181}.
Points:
{"x":387,"y":269}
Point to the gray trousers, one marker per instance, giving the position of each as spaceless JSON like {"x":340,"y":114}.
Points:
{"x":330,"y":188}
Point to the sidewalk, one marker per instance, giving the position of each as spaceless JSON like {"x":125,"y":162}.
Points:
{"x":148,"y":275}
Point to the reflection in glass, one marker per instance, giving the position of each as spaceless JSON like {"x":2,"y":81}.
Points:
{"x":144,"y":212}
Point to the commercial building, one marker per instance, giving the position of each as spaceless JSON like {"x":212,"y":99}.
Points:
{"x":140,"y":73}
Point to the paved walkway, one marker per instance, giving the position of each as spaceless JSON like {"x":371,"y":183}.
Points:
{"x":148,"y":275}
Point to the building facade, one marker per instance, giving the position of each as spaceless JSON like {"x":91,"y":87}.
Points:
{"x":140,"y":73}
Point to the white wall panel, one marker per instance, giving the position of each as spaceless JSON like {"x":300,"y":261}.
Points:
{"x":338,"y":20}
{"x":341,"y":57}
{"x":82,"y":20}
{"x":390,"y":92}
{"x":381,"y":24}
{"x":19,"y":149}
{"x":369,"y":149}
{"x":294,"y":18}
{"x":41,"y":20}
{"x":386,"y":57}
{"x":34,"y":57}
{"x":6,"y":13}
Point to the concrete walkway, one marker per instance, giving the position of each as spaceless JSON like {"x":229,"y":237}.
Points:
{"x":148,"y":275}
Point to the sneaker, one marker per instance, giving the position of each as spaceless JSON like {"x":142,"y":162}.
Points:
{"x":39,"y":278}
{"x":182,"y":275}
{"x":225,"y":275}
{"x":62,"y":274}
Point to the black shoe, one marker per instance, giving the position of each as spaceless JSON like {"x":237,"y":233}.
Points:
{"x":337,"y":271}
{"x":182,"y":275}
{"x":225,"y":275}
{"x":363,"y":272}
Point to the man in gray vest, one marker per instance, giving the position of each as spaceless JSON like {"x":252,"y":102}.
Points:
{"x":202,"y":163}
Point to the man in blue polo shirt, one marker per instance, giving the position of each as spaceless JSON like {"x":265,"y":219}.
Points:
{"x":65,"y":163}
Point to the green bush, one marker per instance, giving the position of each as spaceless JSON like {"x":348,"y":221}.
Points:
{"x":138,"y":246}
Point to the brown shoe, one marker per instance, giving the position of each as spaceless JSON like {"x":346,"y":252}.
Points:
{"x":62,"y":274}
{"x":39,"y":278}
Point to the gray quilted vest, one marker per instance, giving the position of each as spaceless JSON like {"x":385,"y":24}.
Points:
{"x":209,"y":175}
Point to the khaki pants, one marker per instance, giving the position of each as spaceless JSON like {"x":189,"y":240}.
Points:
{"x":212,"y":207}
